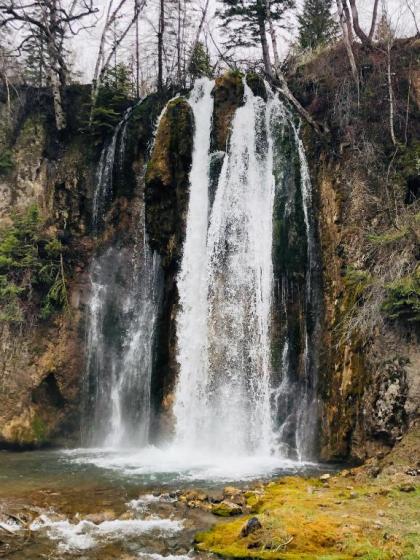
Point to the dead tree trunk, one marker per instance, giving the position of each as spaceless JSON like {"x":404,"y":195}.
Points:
{"x":284,"y":87}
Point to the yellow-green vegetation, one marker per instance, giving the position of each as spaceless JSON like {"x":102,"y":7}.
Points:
{"x":348,"y":516}
{"x":403,"y":298}
{"x":31,"y":269}
{"x":356,"y":282}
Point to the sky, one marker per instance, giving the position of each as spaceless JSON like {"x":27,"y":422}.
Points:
{"x":85,"y":44}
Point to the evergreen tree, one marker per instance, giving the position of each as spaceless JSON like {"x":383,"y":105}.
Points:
{"x":316,"y":24}
{"x":245,"y":22}
{"x":200,"y":62}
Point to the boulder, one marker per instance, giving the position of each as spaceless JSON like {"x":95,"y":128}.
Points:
{"x":226,"y":509}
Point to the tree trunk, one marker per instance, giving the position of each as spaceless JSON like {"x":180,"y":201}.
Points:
{"x":60,"y":116}
{"x":347,"y":18}
{"x":178,"y":46}
{"x":374,"y":18}
{"x":262,"y":15}
{"x":136,"y":11}
{"x":161,"y":30}
{"x":390,"y":95}
{"x":358,"y":30}
{"x":284,"y":87}
{"x":347,"y":42}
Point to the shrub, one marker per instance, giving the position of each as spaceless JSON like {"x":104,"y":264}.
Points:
{"x":32,"y":275}
{"x":6,"y":161}
{"x":403,"y":298}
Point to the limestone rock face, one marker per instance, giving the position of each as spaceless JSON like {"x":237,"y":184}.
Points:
{"x":167,"y":180}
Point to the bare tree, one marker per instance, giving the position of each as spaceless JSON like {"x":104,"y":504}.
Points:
{"x":374,"y":19}
{"x":52,"y":21}
{"x":284,"y":87}
{"x":104,"y":57}
{"x":347,"y":38}
{"x":198,"y":33}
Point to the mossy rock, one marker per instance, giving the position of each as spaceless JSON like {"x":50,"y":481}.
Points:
{"x":228,"y":95}
{"x":167,"y":180}
{"x":256,"y":84}
{"x":226,"y":509}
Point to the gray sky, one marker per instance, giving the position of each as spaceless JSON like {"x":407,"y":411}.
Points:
{"x":85,"y":45}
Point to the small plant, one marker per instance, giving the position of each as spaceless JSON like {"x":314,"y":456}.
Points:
{"x":357,"y":282}
{"x":32,"y":274}
{"x":403,"y":298}
{"x":6,"y":161}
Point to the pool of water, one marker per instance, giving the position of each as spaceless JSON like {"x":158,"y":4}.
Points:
{"x":116,"y":504}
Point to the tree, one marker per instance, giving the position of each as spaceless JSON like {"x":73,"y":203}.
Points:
{"x":200,"y":62}
{"x":316,"y":24}
{"x":51,"y":22}
{"x":245,"y":23}
{"x":104,"y":56}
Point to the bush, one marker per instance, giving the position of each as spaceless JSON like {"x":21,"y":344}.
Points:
{"x":32,"y":275}
{"x":403,"y":298}
{"x":6,"y":161}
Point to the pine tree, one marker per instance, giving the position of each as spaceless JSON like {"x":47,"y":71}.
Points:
{"x":245,"y":22}
{"x":316,"y":24}
{"x":200,"y":62}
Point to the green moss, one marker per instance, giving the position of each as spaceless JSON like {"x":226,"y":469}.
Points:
{"x":39,"y":429}
{"x":256,"y":83}
{"x":167,"y":180}
{"x":388,"y":237}
{"x":307,"y":520}
{"x":356,"y":282}
{"x":403,"y":298}
{"x":228,"y":95}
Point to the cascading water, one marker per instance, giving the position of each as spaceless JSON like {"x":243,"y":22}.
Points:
{"x":123,"y":306}
{"x":232,"y":398}
{"x":224,"y":393}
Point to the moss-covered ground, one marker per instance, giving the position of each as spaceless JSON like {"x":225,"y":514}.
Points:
{"x":350,"y":515}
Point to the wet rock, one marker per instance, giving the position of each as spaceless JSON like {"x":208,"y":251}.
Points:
{"x":226,"y":509}
{"x":231,"y":491}
{"x":196,"y":495}
{"x":324,"y":477}
{"x":97,"y":518}
{"x":250,"y":526}
{"x":215,"y":497}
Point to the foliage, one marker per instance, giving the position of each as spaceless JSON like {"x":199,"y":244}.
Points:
{"x":316,"y":24}
{"x":200,"y":63}
{"x":357,"y":281}
{"x":31,"y":269}
{"x":242,"y":19}
{"x":403,"y":298}
{"x":112,"y":99}
{"x":36,"y":59}
{"x":6,"y":161}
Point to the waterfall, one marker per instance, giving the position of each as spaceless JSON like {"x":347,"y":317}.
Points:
{"x":123,"y":307}
{"x":225,"y":285}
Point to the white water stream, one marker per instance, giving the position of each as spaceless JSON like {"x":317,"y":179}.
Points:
{"x":224,"y":401}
